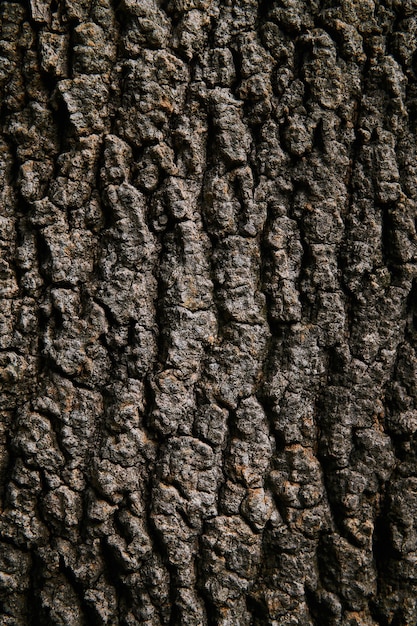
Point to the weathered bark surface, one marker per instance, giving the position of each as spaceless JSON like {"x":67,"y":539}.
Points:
{"x":208,"y":331}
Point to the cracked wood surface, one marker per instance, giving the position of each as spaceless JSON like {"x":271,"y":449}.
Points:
{"x":208,"y":370}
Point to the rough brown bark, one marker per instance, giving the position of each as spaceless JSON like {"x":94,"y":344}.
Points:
{"x":208,"y":332}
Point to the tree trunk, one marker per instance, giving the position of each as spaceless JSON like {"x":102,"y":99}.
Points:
{"x":208,"y":321}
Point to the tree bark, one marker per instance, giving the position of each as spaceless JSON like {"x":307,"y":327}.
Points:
{"x":208,"y":364}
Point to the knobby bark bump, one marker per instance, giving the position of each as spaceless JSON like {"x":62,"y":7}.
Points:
{"x":208,"y":329}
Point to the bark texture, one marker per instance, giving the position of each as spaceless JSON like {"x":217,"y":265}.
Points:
{"x":208,"y":328}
